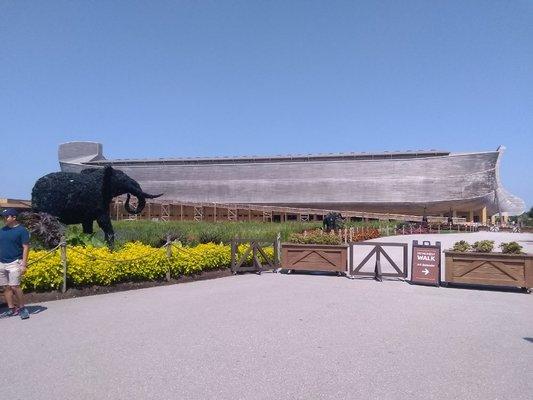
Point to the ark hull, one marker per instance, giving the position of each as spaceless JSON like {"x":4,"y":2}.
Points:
{"x":433,"y":183}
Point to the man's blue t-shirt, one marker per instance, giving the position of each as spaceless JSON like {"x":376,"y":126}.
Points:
{"x":11,"y":241}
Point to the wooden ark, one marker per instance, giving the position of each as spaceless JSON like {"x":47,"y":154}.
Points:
{"x":496,"y":269}
{"x":314,"y":257}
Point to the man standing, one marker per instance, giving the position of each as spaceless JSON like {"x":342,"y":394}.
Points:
{"x":14,"y":249}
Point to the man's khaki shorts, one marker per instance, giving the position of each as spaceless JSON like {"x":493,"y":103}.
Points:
{"x":10,"y":273}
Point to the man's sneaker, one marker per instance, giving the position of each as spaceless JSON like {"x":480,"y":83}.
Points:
{"x":11,"y":312}
{"x":24,"y":314}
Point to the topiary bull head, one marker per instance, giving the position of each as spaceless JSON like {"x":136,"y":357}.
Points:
{"x":81,"y":198}
{"x":332,"y":221}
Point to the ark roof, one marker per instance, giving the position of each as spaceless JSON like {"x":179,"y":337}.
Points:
{"x":278,"y":158}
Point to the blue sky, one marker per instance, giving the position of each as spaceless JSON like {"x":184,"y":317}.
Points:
{"x":222,"y":78}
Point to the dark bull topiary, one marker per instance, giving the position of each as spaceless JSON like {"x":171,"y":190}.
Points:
{"x":333,"y":221}
{"x":85,"y":197}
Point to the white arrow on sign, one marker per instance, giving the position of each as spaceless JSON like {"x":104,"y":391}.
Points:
{"x":425,"y":271}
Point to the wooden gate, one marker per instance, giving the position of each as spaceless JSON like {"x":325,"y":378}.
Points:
{"x":378,"y":250}
{"x":260,"y":260}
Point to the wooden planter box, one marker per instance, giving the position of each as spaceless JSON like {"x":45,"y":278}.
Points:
{"x":314,"y":257}
{"x":496,"y":269}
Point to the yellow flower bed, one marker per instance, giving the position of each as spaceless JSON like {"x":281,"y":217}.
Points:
{"x":133,"y":262}
{"x":45,"y":274}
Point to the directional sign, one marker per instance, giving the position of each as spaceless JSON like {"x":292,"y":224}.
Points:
{"x":425,"y":263}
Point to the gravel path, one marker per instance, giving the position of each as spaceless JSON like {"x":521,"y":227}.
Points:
{"x":274,"y":336}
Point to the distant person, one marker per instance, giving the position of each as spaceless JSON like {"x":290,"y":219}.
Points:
{"x":14,"y":249}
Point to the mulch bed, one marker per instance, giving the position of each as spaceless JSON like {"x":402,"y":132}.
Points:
{"x":37,"y":297}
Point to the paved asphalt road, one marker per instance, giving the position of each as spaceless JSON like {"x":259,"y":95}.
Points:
{"x":274,"y":336}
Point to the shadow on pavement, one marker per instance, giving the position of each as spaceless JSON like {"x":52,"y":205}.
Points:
{"x":36,"y":309}
{"x":33,"y":309}
{"x":316,"y":273}
{"x":484,"y":288}
{"x":529,"y":339}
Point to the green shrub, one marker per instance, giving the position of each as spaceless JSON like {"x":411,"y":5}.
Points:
{"x":210,"y":237}
{"x":174,"y":236}
{"x":462,"y":246}
{"x":484,"y":246}
{"x":153,"y":233}
{"x":77,"y":238}
{"x":511,"y":248}
{"x":314,"y":237}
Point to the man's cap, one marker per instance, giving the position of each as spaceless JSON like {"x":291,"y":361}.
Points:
{"x":9,"y":212}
